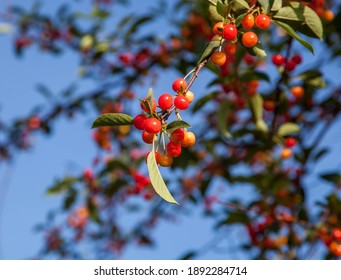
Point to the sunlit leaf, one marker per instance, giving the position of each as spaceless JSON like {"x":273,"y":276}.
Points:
{"x":175,"y":125}
{"x":112,"y":119}
{"x":288,"y":129}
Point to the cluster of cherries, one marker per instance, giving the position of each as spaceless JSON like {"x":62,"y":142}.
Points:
{"x":153,"y":122}
{"x":332,"y":239}
{"x":229,"y":33}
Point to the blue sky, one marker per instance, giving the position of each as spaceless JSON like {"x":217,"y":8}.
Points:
{"x":23,"y":182}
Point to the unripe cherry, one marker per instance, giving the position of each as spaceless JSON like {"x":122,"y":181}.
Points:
{"x":189,"y":95}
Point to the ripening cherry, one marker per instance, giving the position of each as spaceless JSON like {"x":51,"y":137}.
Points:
{"x":218,"y":28}
{"x":297,"y":91}
{"x":173,"y":149}
{"x":165,"y":101}
{"x":189,"y":95}
{"x":177,"y":136}
{"x":249,"y":39}
{"x":262,"y":21}
{"x":165,"y":160}
{"x":152,"y":125}
{"x":179,"y":85}
{"x":278,"y":59}
{"x":157,"y":157}
{"x":286,"y":153}
{"x":189,"y":139}
{"x":230,"y":48}
{"x":230,"y":32}
{"x":336,"y":232}
{"x":218,"y":58}
{"x":145,"y":109}
{"x":139,"y":121}
{"x":248,"y":22}
{"x":148,"y":137}
{"x":181,"y":102}
{"x":290,"y":142}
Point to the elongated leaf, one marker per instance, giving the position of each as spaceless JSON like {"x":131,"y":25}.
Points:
{"x":256,"y":105}
{"x":202,"y":101}
{"x":213,"y":14}
{"x":240,"y":5}
{"x":288,"y":129}
{"x":222,"y":9}
{"x":210,"y":48}
{"x":289,"y":13}
{"x":254,"y":75}
{"x":175,"y":125}
{"x":222,"y":118}
{"x":265,"y":4}
{"x":156,"y":179}
{"x":257,"y":50}
{"x":112,"y":119}
{"x":333,"y":177}
{"x":277,"y":4}
{"x":261,"y":126}
{"x":311,"y":19}
{"x":292,"y":33}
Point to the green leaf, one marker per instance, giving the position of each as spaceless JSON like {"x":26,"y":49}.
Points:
{"x":222,"y":9}
{"x":210,"y":48}
{"x":261,"y":126}
{"x":277,"y":4}
{"x":311,"y":19}
{"x":175,"y":125}
{"x":288,"y":129}
{"x":313,"y":78}
{"x":266,"y":4}
{"x":112,"y":119}
{"x":286,"y":27}
{"x":203,"y":100}
{"x":62,"y":185}
{"x":289,"y":13}
{"x":222,"y":120}
{"x":156,"y":179}
{"x":257,"y":50}
{"x":240,"y":5}
{"x":254,"y":75}
{"x":334,"y":178}
{"x":213,"y":14}
{"x":240,"y":18}
{"x":256,"y":105}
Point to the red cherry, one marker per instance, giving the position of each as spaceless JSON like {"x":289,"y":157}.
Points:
{"x":181,"y":102}
{"x":290,"y":142}
{"x":148,"y":137}
{"x":179,"y":85}
{"x":139,"y":121}
{"x":290,"y":66}
{"x":278,"y":59}
{"x":173,"y":149}
{"x":152,"y":125}
{"x":297,"y":58}
{"x":230,"y":32}
{"x":249,"y":39}
{"x":248,"y":21}
{"x":165,"y":101}
{"x":177,"y":136}
{"x":262,"y":21}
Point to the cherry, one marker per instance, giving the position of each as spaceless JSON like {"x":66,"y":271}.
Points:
{"x":165,"y":160}
{"x":189,"y":95}
{"x":181,"y":102}
{"x":248,"y":22}
{"x":179,"y":85}
{"x":157,"y":158}
{"x":278,"y":59}
{"x":230,"y":32}
{"x":297,"y":59}
{"x":152,"y":125}
{"x":230,"y":48}
{"x":189,"y":139}
{"x":290,"y":65}
{"x":290,"y":142}
{"x":297,"y":91}
{"x":165,"y":101}
{"x":218,"y":28}
{"x":145,"y":109}
{"x":262,"y":21}
{"x":218,"y":58}
{"x":173,"y":149}
{"x":139,"y":121}
{"x":286,"y":153}
{"x":249,"y":39}
{"x":148,"y":137}
{"x":177,"y":136}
